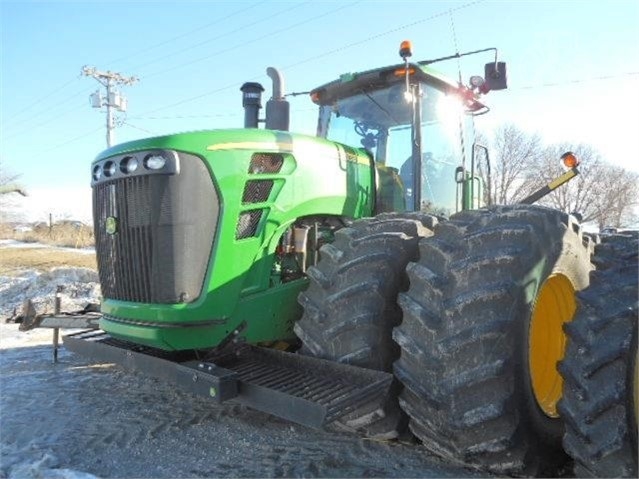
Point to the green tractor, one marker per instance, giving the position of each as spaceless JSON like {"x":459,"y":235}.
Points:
{"x":351,"y":278}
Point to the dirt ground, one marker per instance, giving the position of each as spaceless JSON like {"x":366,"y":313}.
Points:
{"x":76,"y":420}
{"x":13,"y":260}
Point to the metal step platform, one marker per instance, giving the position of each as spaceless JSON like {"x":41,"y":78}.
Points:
{"x":29,"y":319}
{"x":303,"y":389}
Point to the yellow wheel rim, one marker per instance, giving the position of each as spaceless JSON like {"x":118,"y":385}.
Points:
{"x":555,"y":305}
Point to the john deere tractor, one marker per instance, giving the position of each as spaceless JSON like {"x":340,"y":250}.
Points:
{"x":351,"y":278}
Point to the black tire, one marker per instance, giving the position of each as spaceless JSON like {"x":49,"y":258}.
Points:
{"x":600,"y":367}
{"x":350,"y":306}
{"x":464,"y":338}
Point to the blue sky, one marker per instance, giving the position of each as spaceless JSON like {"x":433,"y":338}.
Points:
{"x":573,"y":70}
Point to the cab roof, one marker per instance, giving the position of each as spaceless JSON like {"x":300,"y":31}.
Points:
{"x":350,"y":84}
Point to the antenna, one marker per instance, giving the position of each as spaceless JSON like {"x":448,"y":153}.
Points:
{"x":454,"y":33}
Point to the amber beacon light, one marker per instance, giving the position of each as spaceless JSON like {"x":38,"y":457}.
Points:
{"x":570,"y":160}
{"x":406,"y":49}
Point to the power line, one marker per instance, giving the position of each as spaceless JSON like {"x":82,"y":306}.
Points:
{"x":344,"y":47}
{"x":43,"y":98}
{"x":190,"y":99}
{"x":43,"y":112}
{"x":73,"y":139}
{"x":185,"y":34}
{"x":243,"y":44}
{"x":138,"y":128}
{"x":218,"y":115}
{"x":46,"y":110}
{"x":46,"y":122}
{"x":230,"y":115}
{"x":184,"y":117}
{"x":239,"y":29}
{"x":262,"y":37}
{"x":383,"y":34}
{"x":63,"y":86}
{"x":578,"y":80}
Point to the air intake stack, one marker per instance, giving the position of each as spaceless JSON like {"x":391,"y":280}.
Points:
{"x":252,"y":103}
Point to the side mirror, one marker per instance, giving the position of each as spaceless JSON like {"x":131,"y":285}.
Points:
{"x":495,"y":75}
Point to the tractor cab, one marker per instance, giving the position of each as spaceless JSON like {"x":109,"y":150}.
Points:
{"x":418,"y":128}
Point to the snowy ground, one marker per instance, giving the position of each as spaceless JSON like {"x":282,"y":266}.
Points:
{"x":80,"y":420}
{"x":80,"y":287}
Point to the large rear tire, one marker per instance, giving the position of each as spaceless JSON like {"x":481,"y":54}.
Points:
{"x":600,"y":401}
{"x":350,"y":306}
{"x":482,"y":332}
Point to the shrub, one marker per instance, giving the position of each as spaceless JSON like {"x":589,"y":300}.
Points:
{"x":68,"y":234}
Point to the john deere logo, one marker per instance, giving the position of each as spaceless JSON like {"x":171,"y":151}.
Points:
{"x":111,"y":225}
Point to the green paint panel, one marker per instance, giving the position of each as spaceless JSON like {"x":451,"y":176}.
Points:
{"x":317,"y":177}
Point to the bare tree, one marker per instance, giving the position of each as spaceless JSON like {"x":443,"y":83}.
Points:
{"x":8,"y":181}
{"x":578,"y":195}
{"x":603,"y":193}
{"x":617,"y":197}
{"x":8,"y":188}
{"x":513,"y":151}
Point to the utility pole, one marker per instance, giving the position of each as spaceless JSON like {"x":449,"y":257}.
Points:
{"x":113,"y":99}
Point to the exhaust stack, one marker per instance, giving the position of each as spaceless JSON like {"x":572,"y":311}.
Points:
{"x":277,"y":108}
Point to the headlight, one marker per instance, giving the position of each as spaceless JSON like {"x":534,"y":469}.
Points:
{"x":154,"y":162}
{"x":109,"y":169}
{"x":129,"y":164}
{"x":97,"y":173}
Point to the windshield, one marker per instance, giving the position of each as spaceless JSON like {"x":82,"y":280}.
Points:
{"x":381,"y":122}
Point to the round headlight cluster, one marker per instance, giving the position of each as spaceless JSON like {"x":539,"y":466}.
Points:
{"x":154,"y":162}
{"x":133,"y":165}
{"x":109,"y":169}
{"x":128,"y":164}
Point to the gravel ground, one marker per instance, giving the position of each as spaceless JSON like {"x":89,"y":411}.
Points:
{"x":75,"y":419}
{"x":80,"y":420}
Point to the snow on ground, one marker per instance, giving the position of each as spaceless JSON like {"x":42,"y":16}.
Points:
{"x":30,"y":460}
{"x":80,"y":287}
{"x":80,"y":420}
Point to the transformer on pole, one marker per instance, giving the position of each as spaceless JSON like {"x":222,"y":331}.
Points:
{"x":113,"y":98}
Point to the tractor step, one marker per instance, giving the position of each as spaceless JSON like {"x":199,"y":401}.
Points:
{"x":303,"y":389}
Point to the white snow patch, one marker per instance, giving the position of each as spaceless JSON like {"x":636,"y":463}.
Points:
{"x":81,"y":287}
{"x":44,"y":467}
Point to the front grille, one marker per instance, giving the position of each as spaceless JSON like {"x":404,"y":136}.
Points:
{"x":154,"y":234}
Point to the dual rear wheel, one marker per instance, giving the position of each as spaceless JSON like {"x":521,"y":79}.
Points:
{"x":600,"y":400}
{"x":350,"y":307}
{"x":478,"y":311}
{"x":482,"y":333}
